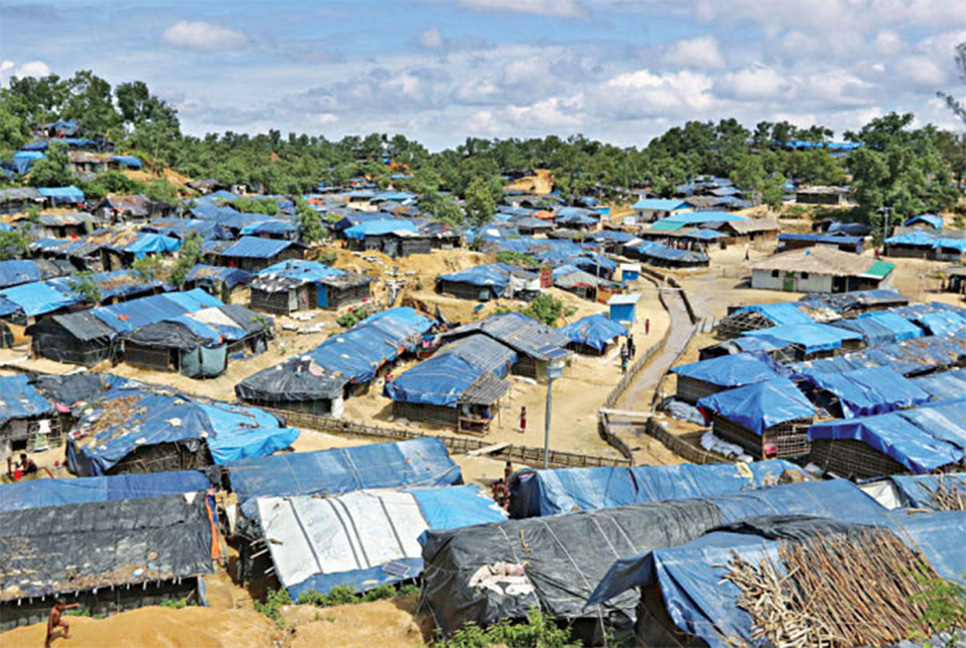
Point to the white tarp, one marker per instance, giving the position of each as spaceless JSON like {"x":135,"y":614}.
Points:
{"x":362,"y":529}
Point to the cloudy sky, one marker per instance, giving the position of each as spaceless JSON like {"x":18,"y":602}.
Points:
{"x":441,"y":70}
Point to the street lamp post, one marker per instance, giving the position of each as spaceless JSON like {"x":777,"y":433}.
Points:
{"x":554,"y":371}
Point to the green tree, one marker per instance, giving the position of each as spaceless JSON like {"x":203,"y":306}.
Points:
{"x":480,"y":205}
{"x":309,"y":222}
{"x":545,"y":308}
{"x":14,"y":245}
{"x":116,"y":182}
{"x":190,"y":254}
{"x":148,"y":268}
{"x":53,"y":170}
{"x":83,"y":284}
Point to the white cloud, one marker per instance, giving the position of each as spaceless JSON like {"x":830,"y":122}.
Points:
{"x":646,"y":94}
{"x":555,"y":8}
{"x":700,"y":52}
{"x":920,"y":70}
{"x":206,"y":36}
{"x":554,"y":113}
{"x":9,"y":69}
{"x":432,"y":38}
{"x":758,"y":82}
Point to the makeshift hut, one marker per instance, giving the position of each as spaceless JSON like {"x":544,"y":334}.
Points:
{"x":769,"y":419}
{"x":811,"y":341}
{"x":344,"y":364}
{"x":108,"y":556}
{"x":705,"y":593}
{"x":198,"y":344}
{"x":881,"y":327}
{"x":535,"y":493}
{"x":132,"y":430}
{"x":856,"y":302}
{"x":488,"y":573}
{"x":705,"y":377}
{"x":119,"y":208}
{"x":254,"y":254}
{"x":487,"y":282}
{"x":536,"y":344}
{"x":941,"y":492}
{"x":15,"y":272}
{"x":362,"y":539}
{"x":28,"y":421}
{"x":861,"y":392}
{"x":820,"y":269}
{"x":762,"y":316}
{"x":593,"y":335}
{"x":921,"y":440}
{"x":226,"y":284}
{"x":296,"y":285}
{"x":788,"y":242}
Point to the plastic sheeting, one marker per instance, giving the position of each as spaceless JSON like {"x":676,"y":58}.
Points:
{"x":864,"y":392}
{"x":916,"y":491}
{"x":760,"y":406}
{"x":483,"y":353}
{"x":496,"y":276}
{"x":109,"y":543}
{"x":130,"y":315}
{"x":595,"y":331}
{"x":923,"y":439}
{"x":39,"y":493}
{"x":733,"y":370}
{"x":702,"y":604}
{"x":231,"y":277}
{"x":549,"y":492}
{"x":140,"y":418}
{"x":944,"y":385}
{"x":909,"y":357}
{"x":565,"y":556}
{"x":441,"y":381}
{"x":362,"y":539}
{"x":781,"y":314}
{"x":417,"y":462}
{"x":881,"y":328}
{"x":254,"y":247}
{"x":379,"y":228}
{"x":812,"y":337}
{"x":20,"y":400}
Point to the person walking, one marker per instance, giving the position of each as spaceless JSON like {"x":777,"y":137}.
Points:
{"x":523,"y":419}
{"x":647,"y":326}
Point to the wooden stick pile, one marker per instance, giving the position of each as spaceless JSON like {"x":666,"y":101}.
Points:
{"x":948,"y":495}
{"x":835,"y":591}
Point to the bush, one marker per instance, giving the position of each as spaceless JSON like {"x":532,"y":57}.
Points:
{"x":545,"y":308}
{"x":517,"y":258}
{"x":539,"y":631}
{"x":275,"y":600}
{"x":84,"y":285}
{"x":348,"y":596}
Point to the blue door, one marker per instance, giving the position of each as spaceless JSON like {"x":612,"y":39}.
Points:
{"x":323,"y":293}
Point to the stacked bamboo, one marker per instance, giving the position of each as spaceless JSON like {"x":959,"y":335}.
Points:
{"x":948,"y":495}
{"x":835,"y":591}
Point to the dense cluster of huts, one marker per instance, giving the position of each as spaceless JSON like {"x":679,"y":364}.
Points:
{"x":853,"y":382}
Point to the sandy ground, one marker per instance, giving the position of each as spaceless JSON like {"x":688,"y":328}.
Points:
{"x":539,"y":184}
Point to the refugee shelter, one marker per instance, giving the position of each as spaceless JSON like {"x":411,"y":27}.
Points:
{"x":109,"y":556}
{"x":943,"y":385}
{"x":536,"y":493}
{"x":487,"y":573}
{"x":344,"y":364}
{"x":19,"y":199}
{"x":921,"y":440}
{"x":769,"y":419}
{"x":915,"y":491}
{"x":40,"y":493}
{"x":705,"y":377}
{"x":365,"y":538}
{"x":118,"y":208}
{"x":687,"y":601}
{"x":820,"y":269}
{"x":881,"y":327}
{"x":28,"y":420}
{"x":254,"y":254}
{"x":296,"y":285}
{"x":914,"y":357}
{"x":819,"y":195}
{"x":536,"y":344}
{"x":449,"y":390}
{"x":862,"y":392}
{"x":788,"y":242}
{"x":490,"y":281}
{"x":220,"y":282}
{"x":15,"y":272}
{"x":198,"y":344}
{"x":811,"y":341}
{"x":652,"y":209}
{"x":88,"y":337}
{"x":761,"y":316}
{"x":394,"y":238}
{"x":857,"y":302}
{"x":134,"y":430}
{"x":593,"y":335}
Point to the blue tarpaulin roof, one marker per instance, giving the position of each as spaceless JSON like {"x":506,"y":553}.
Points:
{"x":917,"y":238}
{"x":269,"y":226}
{"x":379,"y":227}
{"x":19,"y":399}
{"x":16,"y":271}
{"x":732,"y":370}
{"x":441,"y":381}
{"x":943,"y":385}
{"x":661,"y":204}
{"x":702,"y":603}
{"x":922,"y":439}
{"x":549,"y":492}
{"x":38,"y":298}
{"x":493,"y":275}
{"x":230,"y":276}
{"x":935,"y":222}
{"x":881,"y":327}
{"x":782,"y":313}
{"x":147,"y":243}
{"x":594,"y":331}
{"x":942,"y":322}
{"x":484,"y":353}
{"x":822,"y":238}
{"x":127,"y":316}
{"x":254,"y":247}
{"x":128,"y":160}
{"x":914,"y":356}
{"x":358,"y":353}
{"x":175,"y":226}
{"x":231,"y":432}
{"x":917,"y":490}
{"x":62,"y":194}
{"x":813,"y":337}
{"x":760,"y":406}
{"x":863,"y":392}
{"x":417,"y":462}
{"x":305,"y":271}
{"x":39,"y":493}
{"x":697,"y":218}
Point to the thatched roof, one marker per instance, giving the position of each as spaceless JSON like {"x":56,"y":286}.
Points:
{"x":819,"y":260}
